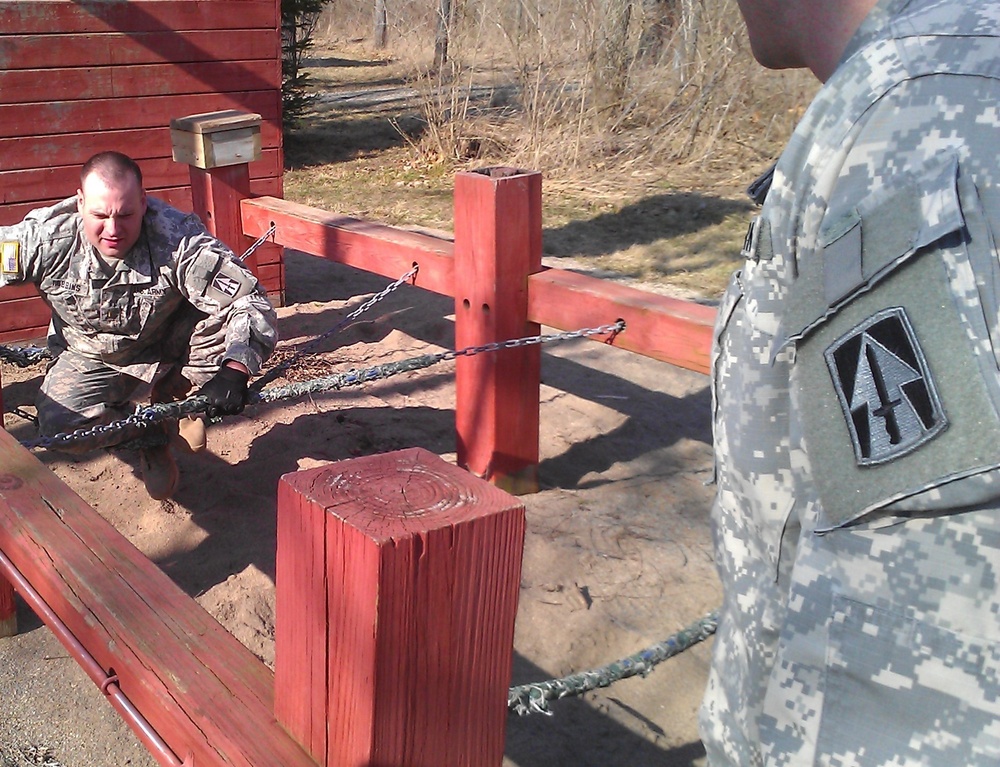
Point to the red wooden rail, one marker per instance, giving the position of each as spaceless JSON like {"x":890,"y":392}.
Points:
{"x":493,"y":270}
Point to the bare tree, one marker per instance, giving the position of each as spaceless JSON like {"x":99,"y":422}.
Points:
{"x":446,"y":17}
{"x":380,"y":31}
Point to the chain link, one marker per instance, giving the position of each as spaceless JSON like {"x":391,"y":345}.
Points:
{"x":613,"y":329}
{"x":24,"y":414}
{"x":279,"y":370}
{"x":103,"y":435}
{"x":258,"y":242}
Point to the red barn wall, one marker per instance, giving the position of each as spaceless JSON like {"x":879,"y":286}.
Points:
{"x":85,"y":76}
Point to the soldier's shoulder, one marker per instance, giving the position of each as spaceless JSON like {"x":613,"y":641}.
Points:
{"x":55,"y":222}
{"x":164,"y":217}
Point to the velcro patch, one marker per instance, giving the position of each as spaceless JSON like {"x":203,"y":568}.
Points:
{"x":226,"y":285}
{"x":10,"y":257}
{"x":885,"y":388}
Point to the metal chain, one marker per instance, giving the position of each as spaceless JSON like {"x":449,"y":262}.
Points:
{"x":24,"y":414}
{"x":145,"y":416}
{"x":259,"y":241}
{"x":279,"y":370}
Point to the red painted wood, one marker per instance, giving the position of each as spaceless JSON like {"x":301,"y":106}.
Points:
{"x":397,"y":583}
{"x":22,"y":334}
{"x":92,"y":82}
{"x":366,"y":245}
{"x":215,"y":196}
{"x":81,"y":50}
{"x":201,"y":690}
{"x":33,"y":17}
{"x":156,"y":111}
{"x":664,"y":328}
{"x":80,"y":77}
{"x":8,"y":608}
{"x":498,"y":243}
{"x":22,"y":313}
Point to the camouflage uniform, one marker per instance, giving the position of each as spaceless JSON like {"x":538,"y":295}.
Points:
{"x":168,"y":314}
{"x":857,"y":417}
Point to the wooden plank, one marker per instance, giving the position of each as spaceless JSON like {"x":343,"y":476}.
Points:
{"x":151,"y":112}
{"x":498,"y":243}
{"x":167,"y":46}
{"x":143,"y":145}
{"x":23,"y":313}
{"x":215,"y":196}
{"x":8,"y":607}
{"x":365,"y":245}
{"x":664,"y":328}
{"x":415,"y":647}
{"x":68,"y":84}
{"x":24,"y":334}
{"x":202,"y":691}
{"x":37,"y":17}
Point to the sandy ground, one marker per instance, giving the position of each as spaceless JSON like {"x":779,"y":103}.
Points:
{"x":617,"y":556}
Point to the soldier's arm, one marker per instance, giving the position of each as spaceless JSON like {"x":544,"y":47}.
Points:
{"x":217,"y":283}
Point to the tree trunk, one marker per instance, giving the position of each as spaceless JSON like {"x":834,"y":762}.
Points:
{"x":380,"y":32}
{"x":443,"y":34}
{"x":658,"y":17}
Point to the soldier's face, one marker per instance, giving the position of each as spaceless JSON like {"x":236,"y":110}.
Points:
{"x":112,"y":213}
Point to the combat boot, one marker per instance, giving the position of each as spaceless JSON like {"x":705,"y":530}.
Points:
{"x":191,"y":433}
{"x":159,"y":472}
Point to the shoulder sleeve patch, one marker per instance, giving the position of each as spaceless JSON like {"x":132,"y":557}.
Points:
{"x":10,"y":257}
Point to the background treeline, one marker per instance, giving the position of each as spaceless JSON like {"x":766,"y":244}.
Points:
{"x":566,"y":82}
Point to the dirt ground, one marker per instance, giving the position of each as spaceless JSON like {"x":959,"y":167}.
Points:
{"x":617,"y":556}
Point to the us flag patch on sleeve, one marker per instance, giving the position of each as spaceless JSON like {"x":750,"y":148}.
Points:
{"x":10,"y":257}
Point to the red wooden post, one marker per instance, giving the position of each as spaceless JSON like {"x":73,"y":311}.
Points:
{"x":8,"y":610}
{"x":218,"y":147}
{"x":498,"y":243}
{"x":397,"y":583}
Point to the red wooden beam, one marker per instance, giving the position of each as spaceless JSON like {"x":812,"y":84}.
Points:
{"x":215,"y":196}
{"x":8,"y":609}
{"x":498,"y":243}
{"x":200,"y":689}
{"x":397,"y":581}
{"x":667,"y":329}
{"x":366,"y":245}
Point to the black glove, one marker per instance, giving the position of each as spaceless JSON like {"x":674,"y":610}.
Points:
{"x":226,"y":392}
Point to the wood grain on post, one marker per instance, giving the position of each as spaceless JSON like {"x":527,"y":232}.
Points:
{"x":397,"y":583}
{"x":498,"y":244}
{"x":8,"y":609}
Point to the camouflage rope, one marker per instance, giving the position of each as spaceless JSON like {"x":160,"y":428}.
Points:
{"x":103,"y":435}
{"x":534,"y":698}
{"x":23,"y":356}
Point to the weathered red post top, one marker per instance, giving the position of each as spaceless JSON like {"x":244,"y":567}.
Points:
{"x":397,"y":581}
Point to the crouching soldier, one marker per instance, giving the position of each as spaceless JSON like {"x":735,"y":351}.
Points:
{"x":145,"y":302}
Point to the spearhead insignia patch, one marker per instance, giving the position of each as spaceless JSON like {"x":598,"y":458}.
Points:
{"x":885,"y":388}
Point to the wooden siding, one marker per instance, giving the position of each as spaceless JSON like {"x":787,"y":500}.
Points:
{"x":78,"y":78}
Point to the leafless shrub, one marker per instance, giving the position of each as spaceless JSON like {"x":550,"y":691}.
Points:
{"x":569,"y":83}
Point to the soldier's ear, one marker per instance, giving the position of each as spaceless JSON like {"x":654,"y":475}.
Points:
{"x":79,"y":200}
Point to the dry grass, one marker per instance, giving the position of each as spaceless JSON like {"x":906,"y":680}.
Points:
{"x":644,"y":156}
